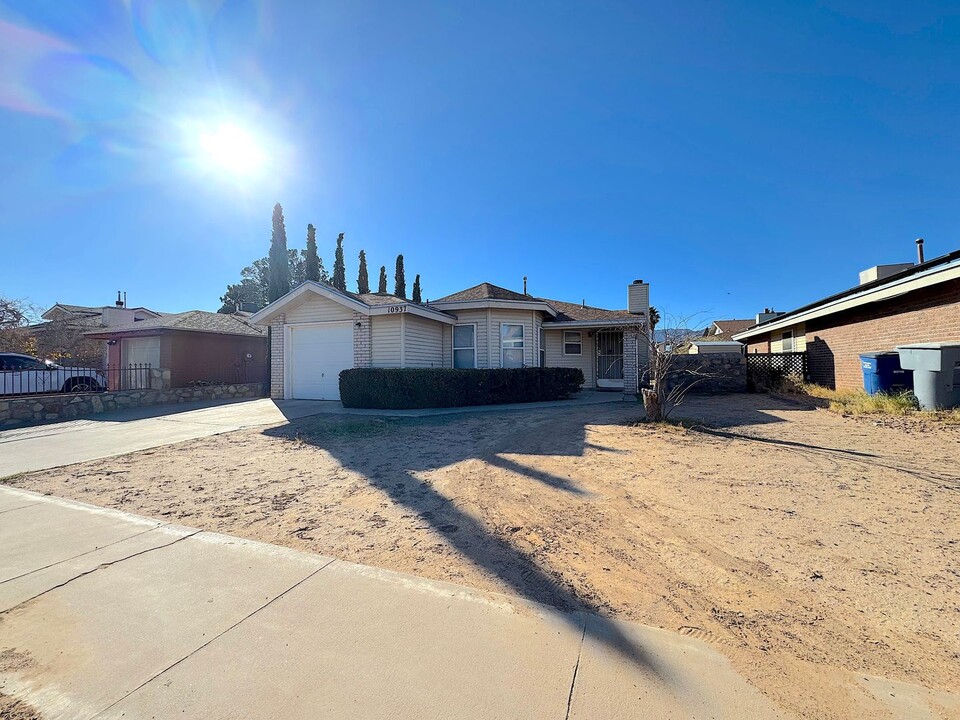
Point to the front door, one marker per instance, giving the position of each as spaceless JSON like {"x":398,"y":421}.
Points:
{"x":609,"y":359}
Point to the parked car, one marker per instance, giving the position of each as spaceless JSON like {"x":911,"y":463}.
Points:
{"x":24,"y":374}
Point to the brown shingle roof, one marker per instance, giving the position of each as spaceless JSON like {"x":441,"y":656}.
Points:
{"x":486,"y":291}
{"x":571,"y":312}
{"x":728,"y":328}
{"x":567,"y":312}
{"x":374,"y":299}
{"x":192,"y":320}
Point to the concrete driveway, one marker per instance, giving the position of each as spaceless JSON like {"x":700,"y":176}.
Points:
{"x":110,"y":615}
{"x":117,"y":433}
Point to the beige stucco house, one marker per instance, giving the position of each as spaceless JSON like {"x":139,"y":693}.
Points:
{"x":317,"y":331}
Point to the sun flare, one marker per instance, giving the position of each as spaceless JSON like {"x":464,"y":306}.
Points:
{"x":231,"y":148}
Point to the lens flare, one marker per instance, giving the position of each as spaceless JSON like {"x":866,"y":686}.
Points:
{"x":231,"y":148}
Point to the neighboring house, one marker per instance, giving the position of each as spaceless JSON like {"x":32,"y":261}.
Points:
{"x":724,"y":330}
{"x":91,"y":317}
{"x":714,"y":347}
{"x":317,"y":331}
{"x":893,"y":305}
{"x":195,"y":346}
{"x":62,"y":333}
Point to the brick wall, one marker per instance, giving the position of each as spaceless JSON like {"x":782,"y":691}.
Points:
{"x":631,"y":373}
{"x":276,"y":356}
{"x":834,"y":343}
{"x":362,"y":347}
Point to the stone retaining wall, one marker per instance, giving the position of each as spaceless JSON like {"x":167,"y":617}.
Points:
{"x":726,"y":372}
{"x":33,"y":410}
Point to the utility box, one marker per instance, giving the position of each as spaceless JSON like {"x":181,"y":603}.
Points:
{"x":882,"y":373}
{"x":936,"y":373}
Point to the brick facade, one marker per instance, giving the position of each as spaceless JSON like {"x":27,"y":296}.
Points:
{"x":630,"y":370}
{"x":362,"y":345}
{"x":276,"y":356}
{"x":834,"y":343}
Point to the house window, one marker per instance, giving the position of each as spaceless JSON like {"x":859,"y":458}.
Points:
{"x":511,"y":345}
{"x":572,"y":342}
{"x":543,"y":347}
{"x":787,"y":340}
{"x":465,"y":346}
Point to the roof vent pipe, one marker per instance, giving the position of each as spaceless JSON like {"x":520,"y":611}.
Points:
{"x":919,"y":251}
{"x":524,"y":284}
{"x":119,"y":302}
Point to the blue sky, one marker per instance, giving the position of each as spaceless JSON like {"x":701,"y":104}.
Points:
{"x":735,"y":155}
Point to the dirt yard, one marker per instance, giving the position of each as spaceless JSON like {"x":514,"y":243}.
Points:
{"x":815,"y":551}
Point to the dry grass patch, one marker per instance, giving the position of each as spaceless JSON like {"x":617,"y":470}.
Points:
{"x":858,"y":402}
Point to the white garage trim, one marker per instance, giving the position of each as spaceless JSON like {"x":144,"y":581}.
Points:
{"x":289,"y":350}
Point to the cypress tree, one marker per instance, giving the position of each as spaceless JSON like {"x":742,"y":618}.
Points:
{"x":311,"y":270}
{"x":279,"y":284}
{"x":416,"y":290}
{"x":339,"y":270}
{"x":363,"y":282}
{"x":383,"y":279}
{"x":399,"y":281}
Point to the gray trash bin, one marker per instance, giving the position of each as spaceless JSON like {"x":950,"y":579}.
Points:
{"x":936,"y":373}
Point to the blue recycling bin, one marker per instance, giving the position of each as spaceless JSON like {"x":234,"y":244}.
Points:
{"x":882,"y":373}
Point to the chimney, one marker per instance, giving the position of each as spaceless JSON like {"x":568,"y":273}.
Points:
{"x":119,"y":302}
{"x":919,"y":251}
{"x":638,"y":298}
{"x":524,"y":284}
{"x":767,"y":314}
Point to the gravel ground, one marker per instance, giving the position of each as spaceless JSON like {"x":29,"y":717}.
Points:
{"x":816,"y":551}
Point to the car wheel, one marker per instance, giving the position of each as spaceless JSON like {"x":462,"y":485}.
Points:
{"x":79,"y":386}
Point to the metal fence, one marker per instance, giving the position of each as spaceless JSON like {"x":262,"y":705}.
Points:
{"x":19,"y":377}
{"x":769,"y":370}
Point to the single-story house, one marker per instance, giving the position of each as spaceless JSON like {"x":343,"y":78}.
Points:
{"x":317,"y":331}
{"x":194,"y":346}
{"x":64,"y":326}
{"x":893,"y":305}
{"x":724,"y":330}
{"x":714,"y":347}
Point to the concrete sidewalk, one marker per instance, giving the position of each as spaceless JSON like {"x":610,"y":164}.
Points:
{"x":109,"y":615}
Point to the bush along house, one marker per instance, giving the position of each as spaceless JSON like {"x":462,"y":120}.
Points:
{"x":317,"y":331}
{"x":893,"y":305}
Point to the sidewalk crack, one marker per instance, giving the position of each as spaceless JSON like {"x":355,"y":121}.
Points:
{"x":101,"y":566}
{"x":576,"y":669}
{"x":215,"y":637}
{"x":74,"y":557}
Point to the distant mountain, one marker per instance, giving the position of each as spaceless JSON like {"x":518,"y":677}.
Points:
{"x":661,"y":334}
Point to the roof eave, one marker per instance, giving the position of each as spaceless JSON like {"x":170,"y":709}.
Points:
{"x":623,"y":322}
{"x":490,"y":302}
{"x":264,"y":315}
{"x":892,"y":289}
{"x":413,"y":309}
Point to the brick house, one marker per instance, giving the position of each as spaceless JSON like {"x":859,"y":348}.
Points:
{"x":317,"y":331}
{"x":893,"y":305}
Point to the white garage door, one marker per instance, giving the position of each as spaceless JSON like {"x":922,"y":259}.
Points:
{"x":134,"y":354}
{"x":141,"y":351}
{"x":315,"y":357}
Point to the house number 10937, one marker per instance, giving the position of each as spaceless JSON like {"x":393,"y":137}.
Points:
{"x":397,"y":309}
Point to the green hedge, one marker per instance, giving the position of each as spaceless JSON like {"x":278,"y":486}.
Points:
{"x":406,"y":388}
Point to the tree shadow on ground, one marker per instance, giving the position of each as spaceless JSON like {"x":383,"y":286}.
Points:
{"x":372,"y":446}
{"x":356,"y":443}
{"x":775,"y":441}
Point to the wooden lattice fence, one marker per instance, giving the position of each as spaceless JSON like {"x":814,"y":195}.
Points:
{"x":770,"y":370}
